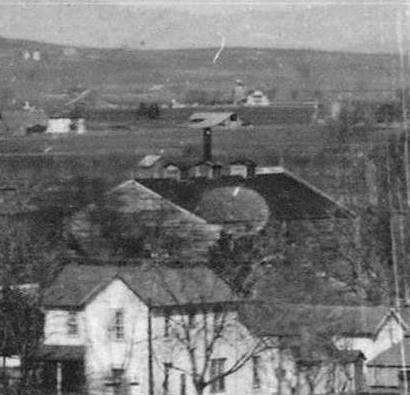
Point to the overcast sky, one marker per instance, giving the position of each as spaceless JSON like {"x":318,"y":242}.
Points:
{"x":356,"y":25}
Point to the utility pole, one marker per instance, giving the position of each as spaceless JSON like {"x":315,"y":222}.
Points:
{"x":150,"y":356}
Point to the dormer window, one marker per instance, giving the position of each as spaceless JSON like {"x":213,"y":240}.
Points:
{"x":238,"y":170}
{"x":172,"y":171}
{"x":242,"y":168}
{"x":72,"y":323}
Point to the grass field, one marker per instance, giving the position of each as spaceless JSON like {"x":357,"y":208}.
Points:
{"x":257,"y":141}
{"x":308,"y":150}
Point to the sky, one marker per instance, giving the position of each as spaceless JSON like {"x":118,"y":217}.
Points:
{"x":347,"y":25}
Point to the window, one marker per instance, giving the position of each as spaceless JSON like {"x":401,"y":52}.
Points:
{"x":218,"y":319}
{"x":165,"y":384}
{"x":191,"y":319}
{"x":217,"y":369}
{"x":238,"y":170}
{"x":166,"y":324}
{"x":118,"y":325}
{"x":182,"y":384}
{"x":256,"y":378}
{"x":117,"y":378}
{"x":72,"y":323}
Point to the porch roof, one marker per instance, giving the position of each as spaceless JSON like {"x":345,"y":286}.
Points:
{"x":60,"y":353}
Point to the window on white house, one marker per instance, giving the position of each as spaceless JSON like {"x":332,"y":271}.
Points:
{"x":218,"y":319}
{"x":183,"y":384}
{"x":217,"y":370}
{"x":165,"y":384}
{"x":72,"y":323}
{"x":118,"y":325}
{"x":191,"y":319}
{"x":256,"y":366}
{"x":167,"y":321}
{"x":117,"y":379}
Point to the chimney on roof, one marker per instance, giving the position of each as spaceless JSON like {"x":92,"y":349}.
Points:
{"x":207,"y":144}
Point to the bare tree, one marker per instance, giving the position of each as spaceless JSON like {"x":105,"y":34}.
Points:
{"x":196,"y":333}
{"x":28,"y":265}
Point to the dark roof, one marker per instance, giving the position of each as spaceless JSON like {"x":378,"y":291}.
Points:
{"x":405,"y":314}
{"x":243,"y":161}
{"x":188,"y":163}
{"x":287,"y":196}
{"x":393,"y":356}
{"x":60,"y":353}
{"x":287,"y":319}
{"x":201,"y":120}
{"x":158,"y":286}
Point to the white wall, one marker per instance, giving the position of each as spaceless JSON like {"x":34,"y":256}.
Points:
{"x":131,"y":354}
{"x":56,"y":330}
{"x":383,"y":376}
{"x":390,"y":334}
{"x":237,"y":341}
{"x":103,"y":353}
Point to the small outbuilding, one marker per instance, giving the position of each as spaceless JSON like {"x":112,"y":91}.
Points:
{"x":242,"y":167}
{"x":65,"y":125}
{"x":215,"y":120}
{"x":257,"y":98}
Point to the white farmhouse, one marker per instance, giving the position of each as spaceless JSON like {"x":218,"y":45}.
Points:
{"x":257,"y":98}
{"x":109,"y":327}
{"x":149,"y":329}
{"x":65,"y":125}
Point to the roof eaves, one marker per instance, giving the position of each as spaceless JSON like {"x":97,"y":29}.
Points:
{"x":149,"y":190}
{"x":344,"y":209}
{"x":392,"y":313}
{"x":94,"y":292}
{"x":118,"y":276}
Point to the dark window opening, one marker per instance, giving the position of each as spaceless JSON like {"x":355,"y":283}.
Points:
{"x":217,"y":370}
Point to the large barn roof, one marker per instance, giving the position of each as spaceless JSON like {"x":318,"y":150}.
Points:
{"x":287,"y":196}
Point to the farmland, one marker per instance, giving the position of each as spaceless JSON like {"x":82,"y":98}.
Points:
{"x":121,"y":79}
{"x":127,"y":77}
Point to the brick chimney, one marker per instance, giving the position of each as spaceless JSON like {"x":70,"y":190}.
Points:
{"x":207,"y":145}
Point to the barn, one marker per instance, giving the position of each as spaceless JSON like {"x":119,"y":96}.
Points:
{"x":216,"y":120}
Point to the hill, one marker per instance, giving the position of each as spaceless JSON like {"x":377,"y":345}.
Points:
{"x":322,"y":24}
{"x":124,"y":77}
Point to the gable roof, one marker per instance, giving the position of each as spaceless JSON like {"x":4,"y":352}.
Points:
{"x":287,"y":319}
{"x":149,"y":160}
{"x":141,"y":207}
{"x":201,"y":120}
{"x":156,"y":285}
{"x":393,"y":356}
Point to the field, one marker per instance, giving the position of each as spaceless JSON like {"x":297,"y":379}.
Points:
{"x":118,"y":138}
{"x":308,"y":150}
{"x":257,"y":141}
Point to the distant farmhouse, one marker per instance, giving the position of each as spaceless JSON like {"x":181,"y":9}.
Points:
{"x":257,"y":98}
{"x":26,"y":121}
